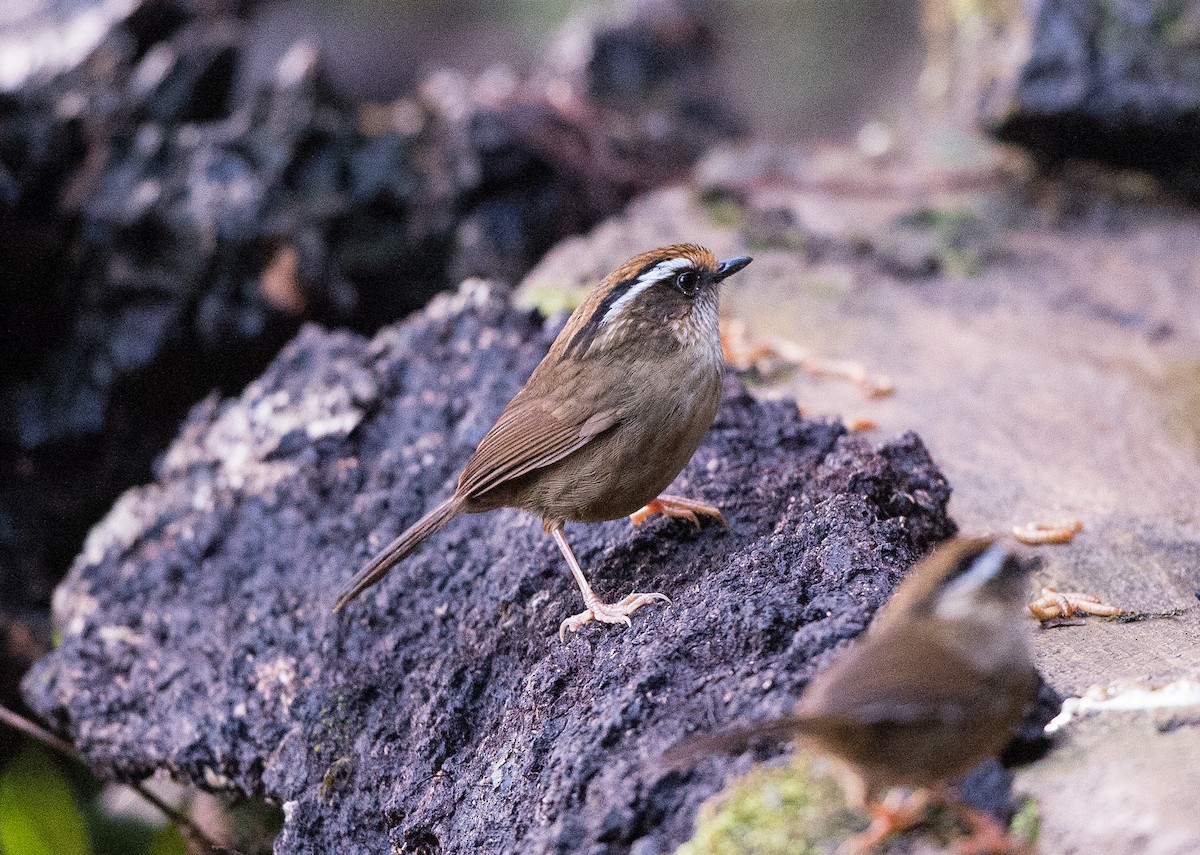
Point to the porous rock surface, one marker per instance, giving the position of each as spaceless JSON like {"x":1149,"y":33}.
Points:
{"x":440,"y":712}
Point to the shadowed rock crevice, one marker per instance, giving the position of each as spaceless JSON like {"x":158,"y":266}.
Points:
{"x":441,"y":706}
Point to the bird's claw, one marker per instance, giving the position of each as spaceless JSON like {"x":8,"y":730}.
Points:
{"x":617,"y":612}
{"x":680,"y":508}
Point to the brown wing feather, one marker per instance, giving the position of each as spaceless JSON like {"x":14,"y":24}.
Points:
{"x":903,"y":680}
{"x":528,"y":436}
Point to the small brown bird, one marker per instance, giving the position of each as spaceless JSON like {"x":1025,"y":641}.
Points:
{"x":938,"y":683}
{"x":607,"y":419}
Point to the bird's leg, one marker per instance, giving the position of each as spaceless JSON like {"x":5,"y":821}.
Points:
{"x":678,"y":506}
{"x":597,"y":609}
{"x":986,"y":836}
{"x":896,"y":813}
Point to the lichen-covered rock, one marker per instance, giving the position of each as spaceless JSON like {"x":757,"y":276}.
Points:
{"x":162,"y":234}
{"x":441,"y":710}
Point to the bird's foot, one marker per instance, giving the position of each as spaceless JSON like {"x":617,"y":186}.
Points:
{"x":617,"y":612}
{"x":1054,"y":604}
{"x":678,"y":506}
{"x":986,"y":836}
{"x":898,"y":813}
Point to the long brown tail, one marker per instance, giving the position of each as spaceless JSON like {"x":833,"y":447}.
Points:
{"x":693,"y":748}
{"x":399,"y":549}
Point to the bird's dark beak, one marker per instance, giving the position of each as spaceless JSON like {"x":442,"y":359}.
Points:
{"x":730,"y":266}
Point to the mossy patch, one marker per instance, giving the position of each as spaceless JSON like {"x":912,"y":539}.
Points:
{"x":1026,"y":823}
{"x":931,"y":240}
{"x":552,"y":299}
{"x":794,"y":809}
{"x":723,"y":209}
{"x":799,"y":808}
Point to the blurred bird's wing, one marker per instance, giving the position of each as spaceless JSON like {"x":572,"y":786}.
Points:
{"x":533,"y":432}
{"x":879,"y":683}
{"x":918,"y":677}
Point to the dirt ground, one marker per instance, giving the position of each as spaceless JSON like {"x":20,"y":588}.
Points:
{"x":1049,"y":354}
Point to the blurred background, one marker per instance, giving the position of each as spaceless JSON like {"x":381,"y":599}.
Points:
{"x":793,"y":70}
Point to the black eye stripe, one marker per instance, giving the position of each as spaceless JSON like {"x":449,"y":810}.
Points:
{"x":969,"y":563}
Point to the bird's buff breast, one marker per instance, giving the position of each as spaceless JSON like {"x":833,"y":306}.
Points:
{"x":629,"y":466}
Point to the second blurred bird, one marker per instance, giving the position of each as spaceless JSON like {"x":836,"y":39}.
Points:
{"x":938,"y":683}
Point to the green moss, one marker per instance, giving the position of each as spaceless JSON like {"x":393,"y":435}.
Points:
{"x":949,"y":224}
{"x":961,"y":240}
{"x":797,"y":809}
{"x":335,"y":727}
{"x":552,"y":299}
{"x":962,"y":262}
{"x":1027,"y":823}
{"x":338,"y":773}
{"x":724,"y":212}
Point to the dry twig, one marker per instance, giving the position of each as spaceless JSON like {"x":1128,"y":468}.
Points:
{"x":1040,"y":534}
{"x":1054,"y":604}
{"x":35,"y":731}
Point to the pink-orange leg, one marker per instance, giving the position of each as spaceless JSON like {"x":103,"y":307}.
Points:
{"x":679,"y":507}
{"x":888,"y":817}
{"x":597,"y":609}
{"x":986,"y":836}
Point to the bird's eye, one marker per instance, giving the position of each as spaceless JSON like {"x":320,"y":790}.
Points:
{"x":686,"y":282}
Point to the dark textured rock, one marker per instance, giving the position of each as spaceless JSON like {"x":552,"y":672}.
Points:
{"x":1116,"y":82}
{"x":160,"y":236}
{"x":440,"y":713}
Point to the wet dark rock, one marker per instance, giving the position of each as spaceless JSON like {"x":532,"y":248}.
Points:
{"x":162,"y":235}
{"x":1115,"y":82}
{"x":1031,"y":742}
{"x":440,"y":712}
{"x":668,"y":50}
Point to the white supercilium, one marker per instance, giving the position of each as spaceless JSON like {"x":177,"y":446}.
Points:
{"x":958,"y":600}
{"x":657,"y":273}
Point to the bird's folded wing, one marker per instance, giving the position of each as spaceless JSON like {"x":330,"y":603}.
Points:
{"x":530,"y":435}
{"x":909,"y":680}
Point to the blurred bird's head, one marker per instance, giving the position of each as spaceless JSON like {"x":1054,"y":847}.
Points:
{"x":965,"y":580}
